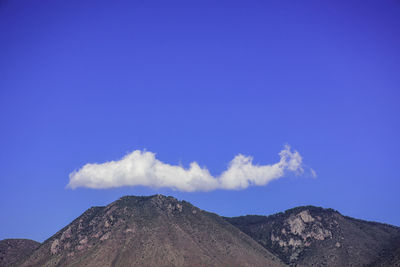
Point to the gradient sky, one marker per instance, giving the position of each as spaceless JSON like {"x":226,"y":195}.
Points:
{"x":90,"y":81}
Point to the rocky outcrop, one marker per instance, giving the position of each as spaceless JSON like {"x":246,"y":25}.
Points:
{"x":311,"y":236}
{"x":298,"y":232}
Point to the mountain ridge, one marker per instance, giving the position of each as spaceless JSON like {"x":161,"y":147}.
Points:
{"x":162,"y":230}
{"x":150,"y":231}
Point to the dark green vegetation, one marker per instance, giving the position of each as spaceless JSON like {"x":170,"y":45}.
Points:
{"x":162,"y":231}
{"x":311,"y":236}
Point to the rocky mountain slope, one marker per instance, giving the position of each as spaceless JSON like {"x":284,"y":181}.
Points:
{"x":12,"y":250}
{"x":311,"y":236}
{"x":162,"y":231}
{"x":150,"y":231}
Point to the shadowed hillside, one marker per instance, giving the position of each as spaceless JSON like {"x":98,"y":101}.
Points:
{"x":12,"y":250}
{"x":311,"y":236}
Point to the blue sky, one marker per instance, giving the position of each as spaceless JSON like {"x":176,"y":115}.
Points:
{"x":90,"y":81}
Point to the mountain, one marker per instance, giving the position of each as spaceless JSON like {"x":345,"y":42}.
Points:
{"x":12,"y":250}
{"x":390,"y":255}
{"x":313,"y":236}
{"x":150,"y":231}
{"x":162,"y":231}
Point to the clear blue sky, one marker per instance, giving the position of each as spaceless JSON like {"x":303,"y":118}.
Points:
{"x":89,"y":81}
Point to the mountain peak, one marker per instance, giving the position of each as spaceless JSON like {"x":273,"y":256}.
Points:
{"x":150,"y":230}
{"x":137,"y":200}
{"x":311,"y":209}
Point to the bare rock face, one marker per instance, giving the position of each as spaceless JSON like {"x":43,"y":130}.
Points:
{"x":311,"y":236}
{"x":150,"y":231}
{"x":298,"y":232}
{"x":13,"y":250}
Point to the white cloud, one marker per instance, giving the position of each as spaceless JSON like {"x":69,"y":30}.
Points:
{"x":142,"y":168}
